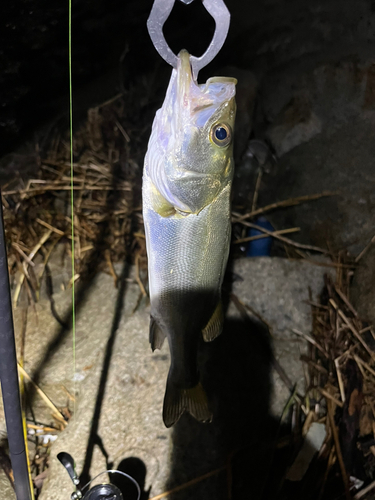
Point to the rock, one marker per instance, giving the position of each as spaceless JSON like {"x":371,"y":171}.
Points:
{"x":362,"y":293}
{"x":301,"y":103}
{"x":339,"y":159}
{"x":295,"y":124}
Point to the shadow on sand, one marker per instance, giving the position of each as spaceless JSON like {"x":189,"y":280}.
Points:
{"x":235,"y":371}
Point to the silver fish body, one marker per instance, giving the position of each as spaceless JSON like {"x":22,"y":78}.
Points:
{"x":187,"y":181}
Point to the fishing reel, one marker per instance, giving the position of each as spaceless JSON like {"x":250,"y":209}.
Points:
{"x":105,"y":491}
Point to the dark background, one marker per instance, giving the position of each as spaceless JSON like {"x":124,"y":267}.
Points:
{"x":111,"y":48}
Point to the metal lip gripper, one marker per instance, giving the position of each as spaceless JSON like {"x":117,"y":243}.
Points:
{"x":159,"y":14}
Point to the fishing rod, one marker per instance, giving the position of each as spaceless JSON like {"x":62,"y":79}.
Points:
{"x":9,"y":379}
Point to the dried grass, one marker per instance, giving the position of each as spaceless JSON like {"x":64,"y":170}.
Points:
{"x":341,"y":387}
{"x":37,"y":211}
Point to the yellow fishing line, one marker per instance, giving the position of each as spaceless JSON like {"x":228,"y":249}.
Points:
{"x":24,"y":424}
{"x":72,"y":194}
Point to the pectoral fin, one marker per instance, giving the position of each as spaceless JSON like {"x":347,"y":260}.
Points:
{"x":156,"y":335}
{"x":215,"y":326}
{"x":177,"y":401}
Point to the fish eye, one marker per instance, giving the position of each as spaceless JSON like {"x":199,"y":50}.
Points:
{"x":221,"y":134}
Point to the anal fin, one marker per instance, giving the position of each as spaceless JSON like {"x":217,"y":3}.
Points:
{"x":215,"y":326}
{"x":177,"y":401}
{"x":156,"y":335}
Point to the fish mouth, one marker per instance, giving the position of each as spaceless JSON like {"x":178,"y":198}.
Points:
{"x":194,"y":103}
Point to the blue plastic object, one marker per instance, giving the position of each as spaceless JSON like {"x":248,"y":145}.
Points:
{"x":262,"y":246}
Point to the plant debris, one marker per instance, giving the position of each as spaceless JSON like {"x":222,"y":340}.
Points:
{"x":106,"y":200}
{"x":340,"y":393}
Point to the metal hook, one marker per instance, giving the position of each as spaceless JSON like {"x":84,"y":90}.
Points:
{"x":159,"y":14}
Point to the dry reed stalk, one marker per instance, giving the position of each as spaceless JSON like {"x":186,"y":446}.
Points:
{"x":189,"y":483}
{"x":274,"y":234}
{"x":55,"y":412}
{"x":285,"y":203}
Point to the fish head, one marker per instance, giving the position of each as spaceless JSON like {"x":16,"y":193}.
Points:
{"x":190,"y":154}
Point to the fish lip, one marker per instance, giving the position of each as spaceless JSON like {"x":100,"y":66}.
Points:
{"x":185,"y":80}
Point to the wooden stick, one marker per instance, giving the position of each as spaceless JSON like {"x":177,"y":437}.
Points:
{"x":361,"y":254}
{"x":138,"y":278}
{"x":42,"y":428}
{"x":335,"y":434}
{"x":189,"y":483}
{"x":285,"y":203}
{"x":31,"y":255}
{"x":123,"y":131}
{"x":112,"y":271}
{"x":59,"y":416}
{"x":48,"y":226}
{"x":344,"y":298}
{"x":359,"y":361}
{"x":327,"y":395}
{"x":285,"y":240}
{"x":256,"y":192}
{"x":364,"y":491}
{"x":311,"y":340}
{"x":340,"y":380}
{"x":351,"y":327}
{"x":274,"y":234}
{"x":67,"y":188}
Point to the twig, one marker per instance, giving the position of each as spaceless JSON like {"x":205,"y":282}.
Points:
{"x":361,"y":254}
{"x":123,"y":131}
{"x":137,"y":277}
{"x":336,"y":439}
{"x":311,"y":340}
{"x":344,"y":298}
{"x":48,"y":226}
{"x":70,"y":396}
{"x":56,"y":413}
{"x":339,"y":379}
{"x":274,"y":233}
{"x":256,"y":191}
{"x":67,"y":188}
{"x":285,"y":203}
{"x":42,"y":428}
{"x":350,"y":325}
{"x":190,"y":483}
{"x":31,"y":255}
{"x":335,"y":265}
{"x":22,"y":253}
{"x":110,"y":101}
{"x":364,"y":491}
{"x":110,"y":266}
{"x":285,"y":240}
{"x":327,"y":395}
{"x":359,"y":361}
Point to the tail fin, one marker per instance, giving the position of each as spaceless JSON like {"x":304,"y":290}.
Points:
{"x":177,"y":401}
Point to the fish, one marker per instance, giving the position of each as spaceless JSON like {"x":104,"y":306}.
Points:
{"x":187,"y":179}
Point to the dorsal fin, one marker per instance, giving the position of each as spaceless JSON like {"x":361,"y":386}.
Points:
{"x":156,"y":335}
{"x":215,"y":326}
